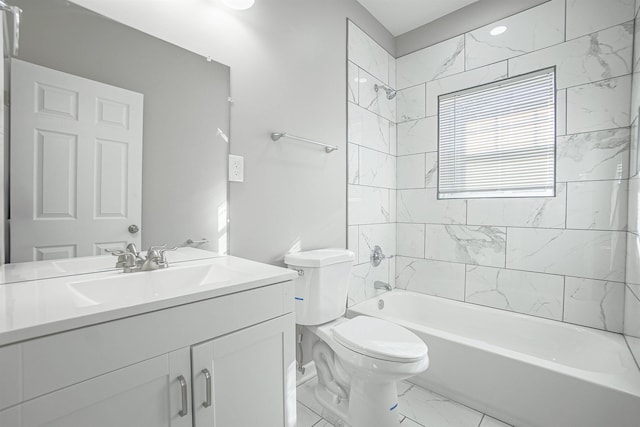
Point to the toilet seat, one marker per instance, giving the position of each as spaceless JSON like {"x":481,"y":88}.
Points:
{"x":380,"y":339}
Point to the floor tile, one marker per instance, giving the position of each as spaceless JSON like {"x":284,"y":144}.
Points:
{"x":306,"y":417}
{"x":487,"y":421}
{"x":433,"y":410}
{"x":408,"y":422}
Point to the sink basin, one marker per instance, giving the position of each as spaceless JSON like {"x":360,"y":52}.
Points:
{"x":148,"y":285}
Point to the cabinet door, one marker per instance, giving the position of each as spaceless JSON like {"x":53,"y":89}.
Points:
{"x":252,"y":377}
{"x":147,"y":394}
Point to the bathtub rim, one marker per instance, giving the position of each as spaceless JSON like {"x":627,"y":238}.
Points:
{"x":630,"y":383}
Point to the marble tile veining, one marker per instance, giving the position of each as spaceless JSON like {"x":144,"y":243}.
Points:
{"x":597,"y":205}
{"x":410,"y":240}
{"x":361,"y":281}
{"x":430,"y":409}
{"x":422,"y":206}
{"x":410,"y":103}
{"x":375,"y":101}
{"x":587,"y":16}
{"x":443,"y":279}
{"x":438,"y":411}
{"x":547,"y":212}
{"x":418,"y":136}
{"x":392,"y":72}
{"x":434,"y":62}
{"x":376,"y":169}
{"x":593,"y":155}
{"x":368,"y":205}
{"x":431,"y":170}
{"x":598,"y":56}
{"x":599,"y":106}
{"x":368,"y":54}
{"x":480,"y":245}
{"x":368,"y":129}
{"x":530,"y":30}
{"x":461,"y":81}
{"x":594,"y":303}
{"x":383,"y":235}
{"x":524,"y":292}
{"x":581,"y":253}
{"x":411,"y":171}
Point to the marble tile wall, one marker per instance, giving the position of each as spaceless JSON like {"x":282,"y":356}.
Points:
{"x":572,"y":257}
{"x":371,"y":162}
{"x":632,"y":291}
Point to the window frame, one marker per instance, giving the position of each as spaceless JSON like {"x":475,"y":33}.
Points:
{"x":503,"y":194}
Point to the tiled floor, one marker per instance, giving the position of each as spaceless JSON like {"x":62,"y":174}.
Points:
{"x":418,"y":408}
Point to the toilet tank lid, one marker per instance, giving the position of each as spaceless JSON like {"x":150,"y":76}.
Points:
{"x":319,"y":257}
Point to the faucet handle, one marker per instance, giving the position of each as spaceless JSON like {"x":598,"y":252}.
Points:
{"x":125,"y":259}
{"x":131,"y":247}
{"x":162,"y":259}
{"x":152,"y":252}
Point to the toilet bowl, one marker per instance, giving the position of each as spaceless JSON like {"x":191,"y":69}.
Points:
{"x":359,"y":360}
{"x":374,"y":355}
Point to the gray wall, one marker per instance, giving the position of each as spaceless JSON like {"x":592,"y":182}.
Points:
{"x":288,"y":69}
{"x":184,"y":163}
{"x":466,"y":19}
{"x":290,"y":75}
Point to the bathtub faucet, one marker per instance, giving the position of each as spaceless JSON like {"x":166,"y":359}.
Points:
{"x":381,"y":285}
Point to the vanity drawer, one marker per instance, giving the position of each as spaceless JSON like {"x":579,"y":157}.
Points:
{"x":10,"y":375}
{"x":60,"y":360}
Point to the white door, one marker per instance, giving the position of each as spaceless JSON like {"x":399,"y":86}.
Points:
{"x":147,"y":394}
{"x":76,"y":164}
{"x":252,"y":375}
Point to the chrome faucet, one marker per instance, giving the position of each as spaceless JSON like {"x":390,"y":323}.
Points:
{"x":131,"y":261}
{"x":377,"y":256}
{"x":381,"y":285}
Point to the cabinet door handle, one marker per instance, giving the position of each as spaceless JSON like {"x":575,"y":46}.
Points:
{"x":207,"y":379}
{"x":183,"y":388}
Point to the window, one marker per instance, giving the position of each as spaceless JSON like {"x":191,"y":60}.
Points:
{"x":498,"y":139}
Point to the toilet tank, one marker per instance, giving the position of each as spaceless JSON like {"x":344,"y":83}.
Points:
{"x":322,"y":284}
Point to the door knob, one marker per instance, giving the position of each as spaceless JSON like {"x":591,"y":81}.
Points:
{"x":133,"y":229}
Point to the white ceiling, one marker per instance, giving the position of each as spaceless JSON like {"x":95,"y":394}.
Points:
{"x":400,"y":16}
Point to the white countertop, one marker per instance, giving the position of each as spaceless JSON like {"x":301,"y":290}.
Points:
{"x":36,"y":270}
{"x":37,"y":308}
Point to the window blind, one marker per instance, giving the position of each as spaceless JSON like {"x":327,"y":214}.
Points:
{"x":498,"y":140}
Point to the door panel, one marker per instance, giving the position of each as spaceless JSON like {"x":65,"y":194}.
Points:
{"x":251,"y":368}
{"x":146,"y":394}
{"x":76,"y":164}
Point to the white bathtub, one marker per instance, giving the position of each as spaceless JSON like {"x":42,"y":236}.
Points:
{"x":527,"y":371}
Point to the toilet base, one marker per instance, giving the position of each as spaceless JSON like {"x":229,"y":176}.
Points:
{"x":373,"y":404}
{"x":369,"y":404}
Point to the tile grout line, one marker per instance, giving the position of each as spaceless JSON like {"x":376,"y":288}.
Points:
{"x":516,"y":269}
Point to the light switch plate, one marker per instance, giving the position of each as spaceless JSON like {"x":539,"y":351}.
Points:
{"x":236,"y":168}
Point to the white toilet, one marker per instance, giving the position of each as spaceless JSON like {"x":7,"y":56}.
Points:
{"x":358,"y":360}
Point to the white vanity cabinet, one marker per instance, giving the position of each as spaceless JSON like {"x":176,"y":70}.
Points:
{"x":141,"y":370}
{"x":148,"y":393}
{"x":234,"y":377}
